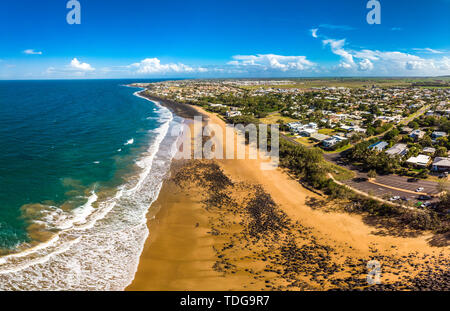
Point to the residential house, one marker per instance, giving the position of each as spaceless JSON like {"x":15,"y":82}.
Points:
{"x":436,"y":135}
{"x":330,"y":142}
{"x":417,"y":134}
{"x":307,"y":132}
{"x":379,"y":146}
{"x":441,"y":164}
{"x":398,"y":150}
{"x":231,"y":114}
{"x":429,"y":150}
{"x":319,"y":137}
{"x":421,"y":160}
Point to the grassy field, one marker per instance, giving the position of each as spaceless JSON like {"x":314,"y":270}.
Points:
{"x":327,"y":132}
{"x":340,"y":149}
{"x":305,"y":83}
{"x":306,"y":141}
{"x":274,"y":117}
{"x":338,"y":172}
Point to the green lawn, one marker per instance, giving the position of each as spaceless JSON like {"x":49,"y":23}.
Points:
{"x":326,"y":131}
{"x":273,"y":119}
{"x":338,"y":172}
{"x":306,"y":141}
{"x":340,"y":149}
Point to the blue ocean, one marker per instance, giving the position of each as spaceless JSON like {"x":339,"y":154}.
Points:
{"x":81,"y":161}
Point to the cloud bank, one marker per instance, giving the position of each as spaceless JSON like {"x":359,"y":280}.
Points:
{"x":375,"y":62}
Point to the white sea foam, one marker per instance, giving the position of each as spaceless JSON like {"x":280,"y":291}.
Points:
{"x":129,"y":142}
{"x":98,"y":245}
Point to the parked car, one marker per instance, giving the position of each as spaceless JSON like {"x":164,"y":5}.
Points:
{"x":413,"y":179}
{"x":425,"y":197}
{"x":443,"y":175}
{"x":426,"y":204}
{"x":420,"y":189}
{"x":396,"y":198}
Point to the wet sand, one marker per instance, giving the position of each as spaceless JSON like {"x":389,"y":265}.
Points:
{"x":232,"y":226}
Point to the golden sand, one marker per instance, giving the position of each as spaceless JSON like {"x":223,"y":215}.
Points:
{"x":191,"y":247}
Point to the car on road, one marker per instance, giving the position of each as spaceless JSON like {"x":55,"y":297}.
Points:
{"x":426,"y":204}
{"x":420,"y":189}
{"x":425,"y":197}
{"x":396,"y":198}
{"x":413,"y":179}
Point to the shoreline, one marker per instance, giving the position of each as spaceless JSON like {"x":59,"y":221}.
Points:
{"x":182,"y":251}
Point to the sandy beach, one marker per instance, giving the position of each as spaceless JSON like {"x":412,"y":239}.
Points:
{"x":228,"y":225}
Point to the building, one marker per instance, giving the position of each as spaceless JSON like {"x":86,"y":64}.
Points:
{"x":332,"y":141}
{"x":406,"y":130}
{"x":295,"y":127}
{"x":417,"y":134}
{"x":379,"y":146}
{"x":441,"y":164}
{"x":436,"y":135}
{"x":398,"y":150}
{"x":319,"y":137}
{"x":421,"y":160}
{"x":429,"y":150}
{"x":307,"y":132}
{"x":231,"y":114}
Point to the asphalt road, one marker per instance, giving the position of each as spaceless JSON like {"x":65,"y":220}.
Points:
{"x":382,"y":188}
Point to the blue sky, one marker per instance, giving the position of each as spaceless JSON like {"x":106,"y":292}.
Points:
{"x":211,"y":38}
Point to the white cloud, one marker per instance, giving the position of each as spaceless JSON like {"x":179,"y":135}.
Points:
{"x":365,"y":65}
{"x":428,"y":50}
{"x":32,"y":52}
{"x":76,"y":64}
{"x":337,"y":47}
{"x":154,"y":66}
{"x":314,"y":32}
{"x":265,"y":62}
{"x":386,"y":62}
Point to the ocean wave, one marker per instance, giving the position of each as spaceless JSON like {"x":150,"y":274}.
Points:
{"x":97,"y":245}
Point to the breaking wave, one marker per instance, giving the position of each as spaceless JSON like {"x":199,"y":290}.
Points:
{"x":97,"y":245}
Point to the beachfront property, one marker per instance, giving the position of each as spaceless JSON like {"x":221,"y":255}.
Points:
{"x":420,"y":161}
{"x":379,"y":146}
{"x":232,"y":114}
{"x":398,"y":150}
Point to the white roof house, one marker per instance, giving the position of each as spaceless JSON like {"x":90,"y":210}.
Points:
{"x":307,"y":132}
{"x":231,"y":114}
{"x":398,"y":149}
{"x":421,"y":160}
{"x":429,"y":150}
